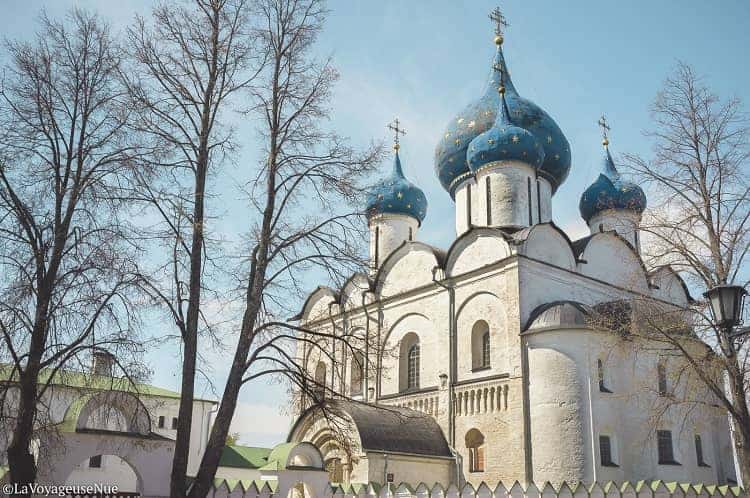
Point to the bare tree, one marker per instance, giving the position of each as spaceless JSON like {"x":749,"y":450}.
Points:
{"x":301,"y":193}
{"x":67,"y":262}
{"x":698,"y":224}
{"x":188,"y":63}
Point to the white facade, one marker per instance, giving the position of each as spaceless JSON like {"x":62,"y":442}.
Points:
{"x":510,"y":356}
{"x":103,"y":430}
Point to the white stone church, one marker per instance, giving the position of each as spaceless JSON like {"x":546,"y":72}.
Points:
{"x":486,"y":361}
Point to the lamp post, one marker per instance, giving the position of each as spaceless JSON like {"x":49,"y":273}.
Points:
{"x":726,"y":303}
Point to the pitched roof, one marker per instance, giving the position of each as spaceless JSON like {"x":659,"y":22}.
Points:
{"x":244,"y":457}
{"x":88,"y":381}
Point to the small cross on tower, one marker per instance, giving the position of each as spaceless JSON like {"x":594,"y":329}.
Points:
{"x":397,"y":130}
{"x":605,"y":130}
{"x":498,"y":18}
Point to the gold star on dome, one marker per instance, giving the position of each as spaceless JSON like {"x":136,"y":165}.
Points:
{"x":549,"y":139}
{"x":399,"y":195}
{"x":447,"y":135}
{"x":458,"y":141}
{"x":491,"y":141}
{"x":408,"y":206}
{"x":557,"y":157}
{"x":515,"y":139}
{"x":450,"y":160}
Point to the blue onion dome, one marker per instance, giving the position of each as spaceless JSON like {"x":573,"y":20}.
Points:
{"x":397,"y":195}
{"x":479,"y":116}
{"x":504,"y":141}
{"x":611,"y":191}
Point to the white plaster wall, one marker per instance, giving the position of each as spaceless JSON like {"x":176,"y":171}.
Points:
{"x":568,"y":412}
{"x":431,"y":345}
{"x":622,"y":221}
{"x":410,"y":267}
{"x":462,"y":206}
{"x":608,"y":258}
{"x":546,"y":244}
{"x":114,"y":472}
{"x":545,"y":194}
{"x":557,"y":416}
{"x":410,"y":469}
{"x":509,"y":194}
{"x":392,"y":230}
{"x":237,"y":473}
{"x":475,"y":250}
{"x":486,"y":306}
{"x":667,"y":286}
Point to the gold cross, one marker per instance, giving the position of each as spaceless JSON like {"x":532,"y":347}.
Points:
{"x":498,"y":18}
{"x":397,"y":130}
{"x":605,"y":129}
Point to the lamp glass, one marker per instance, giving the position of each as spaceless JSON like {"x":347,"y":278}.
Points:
{"x":725,"y":302}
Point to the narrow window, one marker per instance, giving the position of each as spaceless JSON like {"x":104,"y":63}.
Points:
{"x":600,"y":374}
{"x":468,"y":206}
{"x":661,"y":372}
{"x":601,"y":227}
{"x":528,"y":185}
{"x":319,"y":389}
{"x":357,"y":367}
{"x":635,"y":233}
{"x":413,"y":368}
{"x":95,"y":462}
{"x":488,"y":189}
{"x":411,"y":233}
{"x":699,"y":452}
{"x":161,"y":422}
{"x":377,"y":246}
{"x":174,"y":423}
{"x":605,"y":452}
{"x":664,"y":447}
{"x":486,"y":349}
{"x":538,"y":202}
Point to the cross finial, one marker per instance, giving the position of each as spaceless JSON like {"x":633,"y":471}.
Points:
{"x":498,"y":18}
{"x":605,"y":130}
{"x":397,"y":130}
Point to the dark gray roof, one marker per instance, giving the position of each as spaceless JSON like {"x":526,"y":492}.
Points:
{"x":391,"y":429}
{"x":558,"y":314}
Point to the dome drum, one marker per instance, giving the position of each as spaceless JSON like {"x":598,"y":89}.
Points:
{"x":503,"y":194}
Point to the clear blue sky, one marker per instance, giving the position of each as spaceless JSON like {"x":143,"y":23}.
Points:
{"x":424,"y":60}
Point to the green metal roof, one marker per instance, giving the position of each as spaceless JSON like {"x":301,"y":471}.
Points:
{"x":244,"y":457}
{"x":81,"y":380}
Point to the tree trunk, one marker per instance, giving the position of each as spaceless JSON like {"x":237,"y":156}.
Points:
{"x":21,"y":462}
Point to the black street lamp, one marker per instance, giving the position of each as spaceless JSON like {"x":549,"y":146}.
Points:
{"x":726,"y":303}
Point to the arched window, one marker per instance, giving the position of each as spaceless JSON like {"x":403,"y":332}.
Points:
{"x":661,"y":373}
{"x":357,"y":369}
{"x":319,"y":388}
{"x":480,"y":346}
{"x":602,"y":377}
{"x":409,"y":362}
{"x":486,"y":349}
{"x":475,"y":447}
{"x":412,"y":381}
